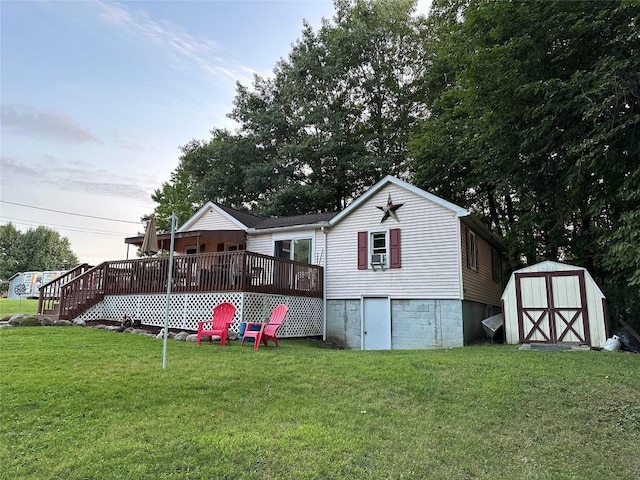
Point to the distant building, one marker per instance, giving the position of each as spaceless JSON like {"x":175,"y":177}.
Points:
{"x":29,"y":283}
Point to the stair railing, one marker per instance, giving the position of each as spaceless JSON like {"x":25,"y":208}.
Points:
{"x":49,"y":296}
{"x":84,"y":291}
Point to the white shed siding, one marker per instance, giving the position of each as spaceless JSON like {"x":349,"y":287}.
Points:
{"x":563,"y":297}
{"x":212,"y":220}
{"x":429,"y":250}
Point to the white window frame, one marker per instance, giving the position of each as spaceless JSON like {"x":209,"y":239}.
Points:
{"x":371,"y":232}
{"x":303,"y":235}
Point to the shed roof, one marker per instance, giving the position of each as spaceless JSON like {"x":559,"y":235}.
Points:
{"x":550,"y":266}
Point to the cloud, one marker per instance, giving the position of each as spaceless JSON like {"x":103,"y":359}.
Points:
{"x":130,"y":145}
{"x":38,"y":124}
{"x":73,"y":176}
{"x":186,"y":49}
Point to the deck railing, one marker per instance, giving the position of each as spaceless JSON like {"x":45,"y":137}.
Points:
{"x":212,"y":272}
{"x":215,"y":272}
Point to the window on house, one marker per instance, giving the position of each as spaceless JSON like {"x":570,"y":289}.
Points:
{"x":379,"y":248}
{"x":473,"y":250}
{"x":378,"y":243}
{"x":496,"y":266}
{"x":298,"y":249}
{"x":302,"y":250}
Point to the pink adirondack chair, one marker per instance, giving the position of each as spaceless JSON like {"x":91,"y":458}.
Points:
{"x":266,"y":330}
{"x":219,"y":324}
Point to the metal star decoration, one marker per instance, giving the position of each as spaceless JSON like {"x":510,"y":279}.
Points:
{"x":390,"y":209}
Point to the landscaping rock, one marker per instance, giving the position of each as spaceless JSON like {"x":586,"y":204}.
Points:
{"x":23,"y":320}
{"x":62,"y":323}
{"x":112,"y":328}
{"x":79,"y":322}
{"x":181,"y":336}
{"x":191,"y":338}
{"x":46,"y":322}
{"x":15,"y":320}
{"x":232,"y":335}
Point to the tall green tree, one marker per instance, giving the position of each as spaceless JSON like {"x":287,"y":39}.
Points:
{"x":45,"y":249}
{"x":337,"y":115}
{"x":35,"y":250}
{"x":10,"y":252}
{"x":333,"y":119}
{"x":532,"y":106}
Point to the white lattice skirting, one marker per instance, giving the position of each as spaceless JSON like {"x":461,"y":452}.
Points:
{"x":304,"y":318}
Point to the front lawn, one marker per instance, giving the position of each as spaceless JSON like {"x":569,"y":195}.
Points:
{"x":82,"y":403}
{"x":11,"y":306}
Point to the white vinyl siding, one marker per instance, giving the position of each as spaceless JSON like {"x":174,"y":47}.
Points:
{"x":263,"y":242}
{"x":213,"y":220}
{"x":260,"y":243}
{"x":430,"y":255}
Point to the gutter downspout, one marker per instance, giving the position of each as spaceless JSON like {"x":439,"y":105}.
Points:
{"x":324,"y":289}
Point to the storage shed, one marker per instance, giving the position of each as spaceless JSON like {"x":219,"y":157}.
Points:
{"x":552,"y":302}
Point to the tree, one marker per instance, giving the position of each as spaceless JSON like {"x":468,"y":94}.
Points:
{"x":10,"y":254}
{"x":35,"y":250}
{"x":175,"y":196}
{"x":533,"y":105}
{"x":334,"y":118}
{"x":44,"y":249}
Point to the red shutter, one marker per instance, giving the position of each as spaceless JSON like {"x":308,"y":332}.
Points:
{"x":363,"y":250}
{"x":394,"y":244}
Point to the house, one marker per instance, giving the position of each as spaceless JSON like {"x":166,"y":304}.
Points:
{"x":403,"y":268}
{"x":398,"y":268}
{"x":407,"y":269}
{"x":552,"y":302}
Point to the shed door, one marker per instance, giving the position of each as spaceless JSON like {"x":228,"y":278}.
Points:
{"x":552,"y":307}
{"x":376,"y":323}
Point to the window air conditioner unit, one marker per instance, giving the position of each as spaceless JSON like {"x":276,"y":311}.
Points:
{"x":378,"y":260}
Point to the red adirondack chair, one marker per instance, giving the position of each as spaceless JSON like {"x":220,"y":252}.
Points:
{"x":221,"y":320}
{"x":266,"y":330}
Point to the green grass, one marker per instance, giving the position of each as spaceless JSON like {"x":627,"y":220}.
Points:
{"x":11,"y":306}
{"x":81,"y":403}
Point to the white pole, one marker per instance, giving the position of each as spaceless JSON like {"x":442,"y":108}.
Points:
{"x":169,"y":281}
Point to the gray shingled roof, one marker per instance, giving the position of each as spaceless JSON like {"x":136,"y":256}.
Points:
{"x":260,"y":223}
{"x":294,"y":220}
{"x":243,"y":217}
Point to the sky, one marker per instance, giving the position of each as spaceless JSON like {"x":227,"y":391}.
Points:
{"x":98,"y":96}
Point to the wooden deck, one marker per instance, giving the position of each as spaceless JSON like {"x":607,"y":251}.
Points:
{"x":242,"y":271}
